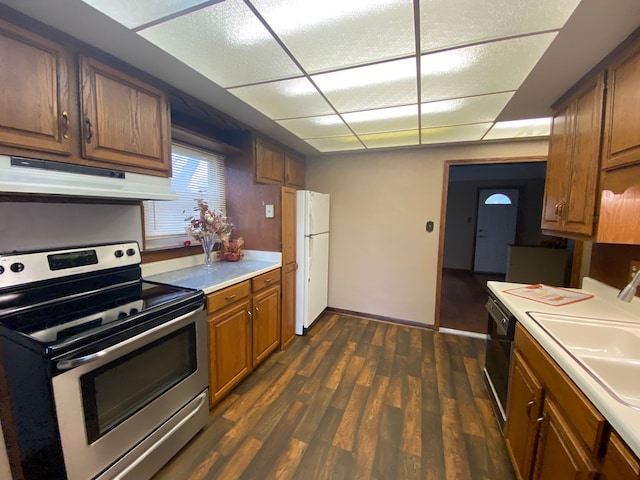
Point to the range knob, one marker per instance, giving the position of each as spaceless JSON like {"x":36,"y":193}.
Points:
{"x":131,"y":252}
{"x":1,"y":269}
{"x":17,"y":267}
{"x":118,"y":253}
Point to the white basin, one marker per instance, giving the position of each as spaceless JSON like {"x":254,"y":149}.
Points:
{"x":609,"y":350}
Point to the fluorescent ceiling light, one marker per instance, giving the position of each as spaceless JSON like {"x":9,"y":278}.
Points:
{"x":383,"y":120}
{"x":459,"y":111}
{"x":391,"y":139}
{"x":336,"y":144}
{"x":316,"y":127}
{"x":533,"y":127}
{"x":462,"y":133}
{"x":451,"y":23}
{"x":133,"y":14}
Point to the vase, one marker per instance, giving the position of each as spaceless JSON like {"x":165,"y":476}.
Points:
{"x":208,"y":241}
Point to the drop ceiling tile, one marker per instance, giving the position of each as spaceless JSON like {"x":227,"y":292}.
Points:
{"x":226,"y":43}
{"x":462,"y":133}
{"x":451,"y":23}
{"x":385,"y":84}
{"x":284,"y":99}
{"x":383,"y":120}
{"x":391,"y":139}
{"x":316,"y":127}
{"x":534,"y":127}
{"x":459,"y":111}
{"x":133,"y":14}
{"x":336,"y":144}
{"x":480,"y":69}
{"x":331,"y":34}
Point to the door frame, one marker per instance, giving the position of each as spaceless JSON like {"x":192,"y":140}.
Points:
{"x":443,"y":212}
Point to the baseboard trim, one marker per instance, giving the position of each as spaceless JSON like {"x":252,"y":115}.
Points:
{"x":463,"y":333}
{"x":379,"y":318}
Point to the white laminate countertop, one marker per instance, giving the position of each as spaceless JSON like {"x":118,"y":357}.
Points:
{"x":218,"y":276}
{"x":624,"y":419}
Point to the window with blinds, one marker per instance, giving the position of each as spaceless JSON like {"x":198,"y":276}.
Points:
{"x":196,"y":174}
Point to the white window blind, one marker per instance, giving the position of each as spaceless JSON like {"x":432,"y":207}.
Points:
{"x":196,"y":174}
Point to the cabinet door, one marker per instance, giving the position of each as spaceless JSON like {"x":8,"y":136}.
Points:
{"x":585,"y":161}
{"x":34,"y":93}
{"x":269,"y":163}
{"x":558,"y":167}
{"x":621,"y":140}
{"x":523,"y":412}
{"x":619,"y":461}
{"x":560,"y":454}
{"x":229,"y":349}
{"x":289,"y":267}
{"x":293,"y":170}
{"x":266,"y":323}
{"x":124,"y":121}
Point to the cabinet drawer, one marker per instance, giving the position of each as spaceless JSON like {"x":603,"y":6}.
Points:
{"x":265,"y":280}
{"x":619,"y":461}
{"x":588,"y":423}
{"x":227,"y":296}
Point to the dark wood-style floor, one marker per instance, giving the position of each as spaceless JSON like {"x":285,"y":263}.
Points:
{"x":462,"y":300}
{"x":355,"y":399}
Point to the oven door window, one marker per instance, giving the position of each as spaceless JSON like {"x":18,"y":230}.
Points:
{"x":117,"y":390}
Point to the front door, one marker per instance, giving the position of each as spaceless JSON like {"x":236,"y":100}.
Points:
{"x":496,"y":229}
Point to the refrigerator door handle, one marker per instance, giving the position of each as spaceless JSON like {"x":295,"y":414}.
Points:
{"x":310,"y":258}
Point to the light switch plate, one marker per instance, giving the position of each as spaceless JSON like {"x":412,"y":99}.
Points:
{"x":268,"y":211}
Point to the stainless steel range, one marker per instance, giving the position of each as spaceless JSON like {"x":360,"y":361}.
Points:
{"x":104,"y":375}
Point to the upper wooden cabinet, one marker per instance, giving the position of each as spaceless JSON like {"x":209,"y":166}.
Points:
{"x":34,"y":75}
{"x":293,"y":170}
{"x":621,"y":141}
{"x":276,"y":166}
{"x":124,"y":121}
{"x":573,"y":165}
{"x":269,"y":163}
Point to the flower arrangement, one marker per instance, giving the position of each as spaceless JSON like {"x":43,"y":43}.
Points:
{"x":208,"y":222}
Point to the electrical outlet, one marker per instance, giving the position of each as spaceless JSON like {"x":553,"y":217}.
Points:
{"x":634,"y":266}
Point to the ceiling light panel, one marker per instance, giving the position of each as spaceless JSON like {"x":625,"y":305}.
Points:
{"x":226,"y":43}
{"x":391,"y":139}
{"x":316,"y":127}
{"x":480,"y":69}
{"x":336,"y":144}
{"x":463,"y":133}
{"x":331,"y":34}
{"x":386,"y":84}
{"x":534,"y":127}
{"x":284,"y":99}
{"x":134,"y":14}
{"x":459,"y":111}
{"x":451,"y":23}
{"x":383,"y":120}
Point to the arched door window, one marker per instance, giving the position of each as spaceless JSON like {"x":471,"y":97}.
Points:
{"x":498,"y":199}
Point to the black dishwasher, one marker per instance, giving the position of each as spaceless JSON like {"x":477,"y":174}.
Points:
{"x":501,"y":328}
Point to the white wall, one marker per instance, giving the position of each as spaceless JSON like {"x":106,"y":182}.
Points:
{"x":49,"y":225}
{"x":381,"y":260}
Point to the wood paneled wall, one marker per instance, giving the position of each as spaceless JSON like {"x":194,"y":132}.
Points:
{"x":246,"y":202}
{"x":610,"y":263}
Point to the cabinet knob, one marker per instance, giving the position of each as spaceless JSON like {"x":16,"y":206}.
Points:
{"x":230,"y":297}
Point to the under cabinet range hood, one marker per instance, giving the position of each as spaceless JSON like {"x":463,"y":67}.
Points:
{"x":44,"y":177}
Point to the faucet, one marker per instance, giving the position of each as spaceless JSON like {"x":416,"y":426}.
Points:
{"x":628,"y":292}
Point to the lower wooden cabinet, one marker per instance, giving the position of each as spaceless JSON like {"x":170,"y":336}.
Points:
{"x":244,"y":328}
{"x":266,"y":323}
{"x":559,"y":451}
{"x":553,"y":431}
{"x":525,"y":408}
{"x":230,"y":358}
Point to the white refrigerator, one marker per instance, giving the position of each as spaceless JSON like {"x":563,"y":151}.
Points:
{"x":312,"y":256}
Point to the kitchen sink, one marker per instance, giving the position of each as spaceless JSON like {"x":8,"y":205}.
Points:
{"x":609,"y":350}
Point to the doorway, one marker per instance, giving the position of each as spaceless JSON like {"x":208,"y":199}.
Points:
{"x":461,"y":288}
{"x":497,"y":217}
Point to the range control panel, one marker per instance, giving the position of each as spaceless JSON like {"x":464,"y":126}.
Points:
{"x":27,"y":267}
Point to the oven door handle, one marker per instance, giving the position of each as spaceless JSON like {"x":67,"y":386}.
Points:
{"x":70,"y":363}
